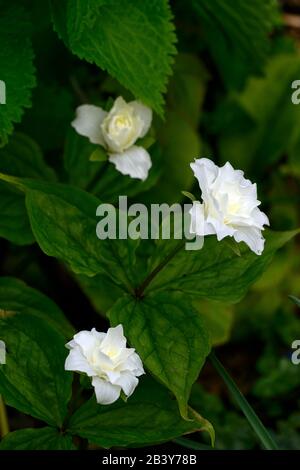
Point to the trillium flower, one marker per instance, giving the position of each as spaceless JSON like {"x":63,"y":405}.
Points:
{"x":2,"y":352}
{"x":229,"y":205}
{"x":117,"y":131}
{"x":105,"y":358}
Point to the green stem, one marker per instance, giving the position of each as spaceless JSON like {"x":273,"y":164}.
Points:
{"x":4,"y":427}
{"x":189,"y":444}
{"x":248,"y":411}
{"x":96,"y":178}
{"x":140,"y":290}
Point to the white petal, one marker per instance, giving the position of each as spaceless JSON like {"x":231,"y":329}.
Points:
{"x":134,"y":364}
{"x":221,"y":229}
{"x":114,"y":340}
{"x":98,"y":335}
{"x":260,"y":218}
{"x":118,"y":106}
{"x":76,"y":362}
{"x":252,"y":237}
{"x":113,"y":376}
{"x":88,"y":122}
{"x":144,"y":113}
{"x":135,"y":162}
{"x":128,"y":382}
{"x":206,"y":172}
{"x":2,"y":352}
{"x":104,"y":362}
{"x":197,"y":218}
{"x":106,"y":393}
{"x":87,"y":342}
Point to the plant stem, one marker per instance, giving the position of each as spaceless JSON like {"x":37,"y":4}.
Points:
{"x":4,"y":427}
{"x":248,"y":411}
{"x":91,"y":185}
{"x":189,"y":444}
{"x":140,"y":290}
{"x":78,"y":91}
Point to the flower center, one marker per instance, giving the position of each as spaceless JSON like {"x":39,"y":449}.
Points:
{"x":122,"y":122}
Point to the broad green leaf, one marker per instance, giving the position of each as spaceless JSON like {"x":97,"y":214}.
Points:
{"x":178,"y":136}
{"x":237,"y":33}
{"x":37,"y":439}
{"x":133,"y":41}
{"x":33,"y":380}
{"x":16,"y":66}
{"x":150,"y":416}
{"x":63,"y":220}
{"x":218,"y":319}
{"x":14,"y":223}
{"x":20,"y":157}
{"x":50,"y":116}
{"x":187,"y":88}
{"x":23,"y":157}
{"x":77,"y":151}
{"x":101,"y":178}
{"x":99,"y":155}
{"x":274,"y":118}
{"x":214,"y":272}
{"x":180,"y":144}
{"x":169,"y":336}
{"x":17,"y":297}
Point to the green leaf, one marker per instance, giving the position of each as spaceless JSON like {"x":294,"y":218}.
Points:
{"x":180,"y":144}
{"x":17,"y":297}
{"x":14,"y":223}
{"x":274,"y":129}
{"x":16,"y":66}
{"x":23,"y":157}
{"x":133,"y":41}
{"x":63,"y":220}
{"x":80,"y":170}
{"x":218,"y":319}
{"x":237,"y":33}
{"x":33,"y":380}
{"x":50,"y":116}
{"x":214,"y":272}
{"x":252,"y":418}
{"x":37,"y":439}
{"x":179,"y":136}
{"x":150,"y":416}
{"x":98,"y":155}
{"x":20,"y":157}
{"x":169,"y":336}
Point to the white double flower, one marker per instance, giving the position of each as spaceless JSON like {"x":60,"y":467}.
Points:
{"x":105,"y":358}
{"x":229,"y":205}
{"x":117,"y":131}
